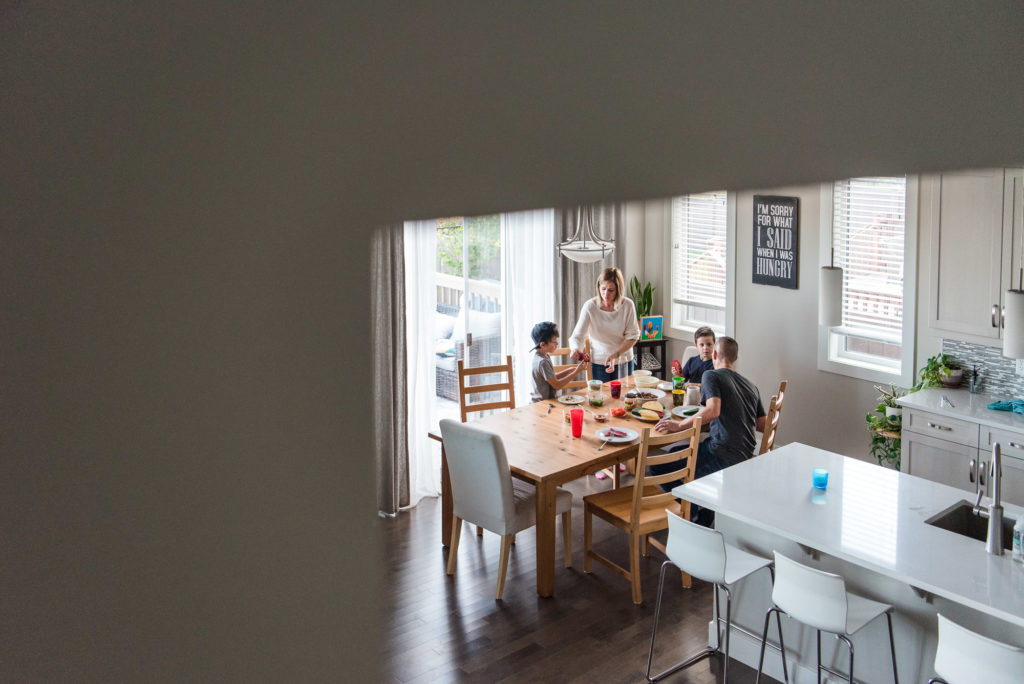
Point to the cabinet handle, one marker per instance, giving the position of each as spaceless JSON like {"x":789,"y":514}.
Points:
{"x":995,"y":312}
{"x":1002,"y":317}
{"x":981,"y":473}
{"x":973,"y":468}
{"x":940,"y":427}
{"x":1016,"y":446}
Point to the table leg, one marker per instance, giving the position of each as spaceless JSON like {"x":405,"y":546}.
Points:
{"x":446,"y":500}
{"x":546,"y":539}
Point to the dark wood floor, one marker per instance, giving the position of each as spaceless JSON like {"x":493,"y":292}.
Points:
{"x":450,"y":629}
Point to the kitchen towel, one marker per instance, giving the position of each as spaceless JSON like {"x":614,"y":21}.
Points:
{"x":1015,"y":405}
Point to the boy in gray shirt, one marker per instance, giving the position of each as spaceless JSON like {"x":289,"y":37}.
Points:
{"x":546,"y":382}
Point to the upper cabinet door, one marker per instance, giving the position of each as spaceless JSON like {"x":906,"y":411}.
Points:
{"x":968,"y":264}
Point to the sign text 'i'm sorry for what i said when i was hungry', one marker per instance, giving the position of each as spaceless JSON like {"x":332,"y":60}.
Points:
{"x":776,"y":240}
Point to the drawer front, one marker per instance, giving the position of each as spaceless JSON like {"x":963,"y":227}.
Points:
{"x":934,"y":425}
{"x":1011,"y":443}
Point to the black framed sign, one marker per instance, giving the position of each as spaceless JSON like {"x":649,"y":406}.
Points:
{"x":776,"y":240}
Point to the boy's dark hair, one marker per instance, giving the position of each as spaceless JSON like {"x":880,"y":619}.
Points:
{"x":703,"y":331}
{"x":542,"y":332}
{"x":728,"y":348}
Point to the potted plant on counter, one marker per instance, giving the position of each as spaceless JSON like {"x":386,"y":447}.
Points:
{"x":886,"y":425}
{"x":940,"y":370}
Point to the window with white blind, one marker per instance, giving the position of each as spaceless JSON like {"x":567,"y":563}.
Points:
{"x":702,"y":233}
{"x":869,"y":228}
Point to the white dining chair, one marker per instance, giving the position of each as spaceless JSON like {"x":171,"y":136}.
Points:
{"x":704,"y":554}
{"x":966,"y":657}
{"x":819,"y":599}
{"x":485,"y":493}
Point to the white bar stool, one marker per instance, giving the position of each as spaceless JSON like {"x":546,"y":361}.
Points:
{"x":965,"y":657}
{"x":704,"y":554}
{"x":819,"y":599}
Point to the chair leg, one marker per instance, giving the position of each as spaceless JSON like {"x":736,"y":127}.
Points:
{"x":634,"y":567}
{"x":479,"y":531}
{"x":567,"y":537}
{"x":764,"y":640}
{"x":892,"y":650}
{"x":453,"y":545}
{"x":818,"y":633}
{"x":778,"y":623}
{"x":728,"y":628}
{"x":849,"y":645}
{"x":506,"y":546}
{"x":647,"y":545}
{"x":654,"y":631}
{"x":587,"y":538}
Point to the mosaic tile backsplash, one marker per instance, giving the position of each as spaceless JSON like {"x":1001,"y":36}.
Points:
{"x":996,"y":372}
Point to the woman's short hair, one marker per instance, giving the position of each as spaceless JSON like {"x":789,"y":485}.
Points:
{"x":612,"y":275}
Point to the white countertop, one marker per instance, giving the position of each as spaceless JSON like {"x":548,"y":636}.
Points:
{"x":966,"y":406}
{"x":871,"y":516}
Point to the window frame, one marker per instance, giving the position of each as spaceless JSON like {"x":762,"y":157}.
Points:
{"x":861,"y":365}
{"x":684,"y":329}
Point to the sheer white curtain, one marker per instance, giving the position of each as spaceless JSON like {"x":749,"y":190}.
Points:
{"x":528,"y":275}
{"x":420,"y":303}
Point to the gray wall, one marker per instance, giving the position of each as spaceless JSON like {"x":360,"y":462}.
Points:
{"x":185,"y":194}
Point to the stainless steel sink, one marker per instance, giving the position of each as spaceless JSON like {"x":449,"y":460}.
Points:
{"x":960,"y":518}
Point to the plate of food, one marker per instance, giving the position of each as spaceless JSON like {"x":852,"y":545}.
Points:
{"x":650,"y":411}
{"x":571,"y":399}
{"x":685,"y":411}
{"x":646,"y":393}
{"x":616,"y":435}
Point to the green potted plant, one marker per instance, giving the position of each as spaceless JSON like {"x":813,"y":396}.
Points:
{"x":886,"y":425}
{"x":643,"y":297}
{"x":940,"y":370}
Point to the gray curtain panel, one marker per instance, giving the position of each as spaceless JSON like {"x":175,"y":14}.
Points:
{"x":390,"y":406}
{"x":576,"y":283}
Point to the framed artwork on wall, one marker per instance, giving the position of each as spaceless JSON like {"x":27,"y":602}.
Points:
{"x":650,"y":328}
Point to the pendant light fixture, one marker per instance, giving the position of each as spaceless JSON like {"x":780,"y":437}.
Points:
{"x":1013,"y":316}
{"x":584,"y":246}
{"x":830,"y":294}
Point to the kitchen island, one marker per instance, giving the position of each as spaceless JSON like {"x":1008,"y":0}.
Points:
{"x":869,"y":525}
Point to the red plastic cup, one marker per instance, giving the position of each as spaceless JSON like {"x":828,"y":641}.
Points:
{"x":616,"y":388}
{"x":576,"y":418}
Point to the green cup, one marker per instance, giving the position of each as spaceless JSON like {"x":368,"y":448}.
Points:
{"x":678,"y":383}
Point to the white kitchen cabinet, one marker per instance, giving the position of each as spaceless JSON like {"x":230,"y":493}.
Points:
{"x":939,"y":460}
{"x":976,"y":238}
{"x":953,"y":444}
{"x":1011,"y":446}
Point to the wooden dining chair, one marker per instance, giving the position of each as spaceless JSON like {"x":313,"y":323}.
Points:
{"x":566,"y":352}
{"x":771,"y":421}
{"x":485,"y":493}
{"x":465,"y":392}
{"x":640,"y":508}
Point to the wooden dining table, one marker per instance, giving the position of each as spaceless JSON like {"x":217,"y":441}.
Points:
{"x":541,"y":449}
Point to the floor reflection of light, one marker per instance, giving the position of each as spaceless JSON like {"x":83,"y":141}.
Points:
{"x":870,"y":501}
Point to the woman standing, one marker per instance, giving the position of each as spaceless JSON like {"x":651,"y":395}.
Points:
{"x":609,"y":320}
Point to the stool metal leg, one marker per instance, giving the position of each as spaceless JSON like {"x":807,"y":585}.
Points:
{"x":657,"y":611}
{"x":892,"y":649}
{"x":699,"y":654}
{"x":764,"y":642}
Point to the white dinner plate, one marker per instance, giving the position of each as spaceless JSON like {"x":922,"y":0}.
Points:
{"x":667,"y":386}
{"x":571,"y":399}
{"x":636,"y":414}
{"x":630,"y":435}
{"x":658,"y":394}
{"x":685,"y":411}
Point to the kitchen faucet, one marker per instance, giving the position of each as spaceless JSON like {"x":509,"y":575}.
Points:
{"x":994,"y":512}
